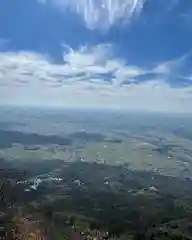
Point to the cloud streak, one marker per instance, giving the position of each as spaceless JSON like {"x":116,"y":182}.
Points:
{"x":100,"y":14}
{"x":103,"y":14}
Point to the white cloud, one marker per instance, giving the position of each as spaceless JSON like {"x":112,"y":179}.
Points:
{"x":85,"y":63}
{"x":100,"y":13}
{"x":88,"y":77}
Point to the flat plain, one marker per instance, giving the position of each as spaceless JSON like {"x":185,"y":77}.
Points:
{"x":151,"y":141}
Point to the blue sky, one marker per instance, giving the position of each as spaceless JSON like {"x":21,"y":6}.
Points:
{"x":125,"y":54}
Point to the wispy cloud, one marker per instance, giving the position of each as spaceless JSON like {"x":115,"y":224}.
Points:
{"x":88,"y":77}
{"x":100,"y":13}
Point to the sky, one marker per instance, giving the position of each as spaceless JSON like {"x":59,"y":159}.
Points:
{"x":109,"y":54}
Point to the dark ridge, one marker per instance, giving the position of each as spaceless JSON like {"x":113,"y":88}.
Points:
{"x":7,"y":138}
{"x":87,"y":136}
